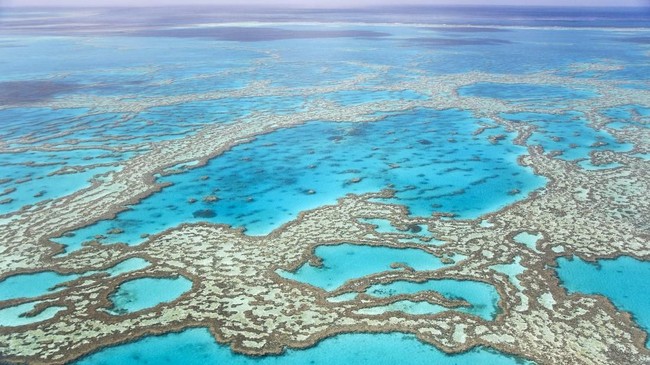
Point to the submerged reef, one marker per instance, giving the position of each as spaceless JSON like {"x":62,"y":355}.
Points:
{"x":255,"y":293}
{"x":239,"y":296}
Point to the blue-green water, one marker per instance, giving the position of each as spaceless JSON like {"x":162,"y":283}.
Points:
{"x":544,"y":96}
{"x":31,"y":176}
{"x":32,"y":285}
{"x":419,"y":231}
{"x":345,"y":262}
{"x":528,"y":239}
{"x":14,"y":316}
{"x":142,"y":293}
{"x":624,"y":117}
{"x":623,"y":280}
{"x":197,"y":346}
{"x":41,"y":283}
{"x":482,"y":297}
{"x":265,"y":183}
{"x":431,"y":158}
{"x":568,"y":133}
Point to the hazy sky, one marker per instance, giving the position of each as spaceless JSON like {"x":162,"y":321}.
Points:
{"x":323,"y":3}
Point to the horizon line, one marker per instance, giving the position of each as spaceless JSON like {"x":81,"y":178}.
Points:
{"x":299,"y":7}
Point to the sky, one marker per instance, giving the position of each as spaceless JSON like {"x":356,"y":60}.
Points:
{"x":322,"y":3}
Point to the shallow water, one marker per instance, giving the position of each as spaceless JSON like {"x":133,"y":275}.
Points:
{"x":623,"y":280}
{"x":482,"y":297}
{"x":45,"y":282}
{"x":265,"y":183}
{"x":540,"y":96}
{"x":568,"y":133}
{"x":420,"y":232}
{"x":629,"y":116}
{"x":511,"y":270}
{"x":528,"y":239}
{"x":346,"y":261}
{"x":197,"y":346}
{"x":32,"y":285}
{"x":14,"y":316}
{"x":142,"y":293}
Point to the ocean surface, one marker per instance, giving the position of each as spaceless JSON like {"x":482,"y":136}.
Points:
{"x":432,"y":159}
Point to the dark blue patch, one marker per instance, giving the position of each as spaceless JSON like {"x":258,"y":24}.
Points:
{"x":32,"y":91}
{"x":205,"y":213}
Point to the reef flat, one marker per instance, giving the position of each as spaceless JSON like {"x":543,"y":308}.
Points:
{"x":260,"y":294}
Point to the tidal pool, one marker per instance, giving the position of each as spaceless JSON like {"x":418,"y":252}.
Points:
{"x":528,"y":239}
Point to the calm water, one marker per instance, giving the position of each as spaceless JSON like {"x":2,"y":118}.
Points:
{"x":40,"y":283}
{"x":47,"y":282}
{"x":264,"y":184}
{"x":623,"y":280}
{"x":345,"y":262}
{"x":143,"y":293}
{"x":197,"y":346}
{"x":431,"y":158}
{"x":482,"y":297}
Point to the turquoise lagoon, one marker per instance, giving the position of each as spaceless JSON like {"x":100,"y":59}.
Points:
{"x":34,"y":285}
{"x":623,"y":280}
{"x":15,"y":316}
{"x":430,"y":158}
{"x":528,"y":239}
{"x":44,"y":282}
{"x":29,"y":173}
{"x":568,"y":133}
{"x":419,"y":232}
{"x":341,"y":263}
{"x":197,"y":346}
{"x":143,"y":293}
